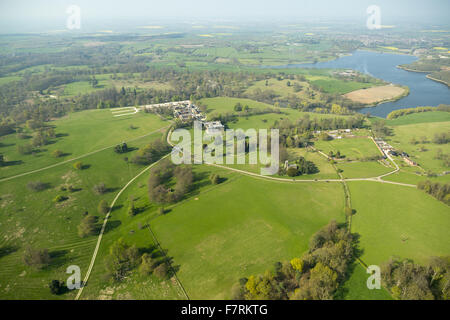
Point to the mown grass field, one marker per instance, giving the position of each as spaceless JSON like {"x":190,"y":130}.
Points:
{"x":326,"y":170}
{"x":351,"y":148}
{"x":242,"y":227}
{"x":398,"y":221}
{"x":424,"y":152}
{"x":424,"y":117}
{"x":332,"y":85}
{"x":367,"y":169}
{"x":355,"y":288}
{"x":77,"y":134}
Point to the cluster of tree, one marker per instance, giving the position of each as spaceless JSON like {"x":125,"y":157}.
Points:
{"x":336,"y":155}
{"x":87,"y":226}
{"x":438,"y":190}
{"x":123,"y":258}
{"x":302,"y":166}
{"x":315,"y":276}
{"x":380,"y":129}
{"x":151,"y":152}
{"x":324,"y":136}
{"x":149,"y":265}
{"x":19,"y":103}
{"x":57,"y":287}
{"x":445,"y":157}
{"x":36,"y":186}
{"x":298,"y":133}
{"x":409,"y":281}
{"x":238,"y":107}
{"x":36,"y":258}
{"x":99,"y":188}
{"x":121,"y":148}
{"x":159,"y":189}
{"x":441,"y":138}
{"x":103,"y":207}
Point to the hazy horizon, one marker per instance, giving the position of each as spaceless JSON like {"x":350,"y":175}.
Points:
{"x":47,"y":15}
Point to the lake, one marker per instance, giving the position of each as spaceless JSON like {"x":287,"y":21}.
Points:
{"x":423,"y":91}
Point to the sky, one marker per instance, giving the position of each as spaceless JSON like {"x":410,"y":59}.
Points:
{"x":38,"y":15}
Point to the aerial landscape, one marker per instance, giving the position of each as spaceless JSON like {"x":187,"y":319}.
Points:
{"x":232,"y":151}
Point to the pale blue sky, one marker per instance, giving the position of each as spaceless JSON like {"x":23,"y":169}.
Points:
{"x":41,"y":14}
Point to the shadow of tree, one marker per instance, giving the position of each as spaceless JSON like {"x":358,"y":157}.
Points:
{"x":111,"y":225}
{"x":7,"y":249}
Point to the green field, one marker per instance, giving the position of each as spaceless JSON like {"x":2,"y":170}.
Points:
{"x":216,"y":241}
{"x":33,"y":218}
{"x":398,"y":221}
{"x":351,"y":148}
{"x":434,"y":116}
{"x":424,"y":152}
{"x":331,"y":85}
{"x":367,"y":169}
{"x":225,"y":104}
{"x":355,"y":288}
{"x":77,"y":134}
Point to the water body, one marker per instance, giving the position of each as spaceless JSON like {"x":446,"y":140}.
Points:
{"x":423,"y":91}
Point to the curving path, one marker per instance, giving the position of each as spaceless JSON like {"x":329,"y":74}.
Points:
{"x":102,"y":231}
{"x":94,"y":256}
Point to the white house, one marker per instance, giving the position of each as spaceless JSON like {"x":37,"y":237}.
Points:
{"x":213,"y":127}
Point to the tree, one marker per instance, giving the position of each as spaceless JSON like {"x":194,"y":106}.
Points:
{"x":121,"y":260}
{"x":292,"y":172}
{"x":147,"y":264}
{"x":99,"y":188}
{"x":297,"y":264}
{"x":94,"y":82}
{"x":36,"y":186}
{"x":37,"y":258}
{"x":161,"y":271}
{"x":349,"y":211}
{"x":324,"y":136}
{"x":87,"y":227}
{"x":103,"y":207}
{"x":56,"y":287}
{"x":57,"y":153}
{"x":121,"y":148}
{"x":78,"y":165}
{"x":214,"y":178}
{"x":25,"y":149}
{"x":238,"y":107}
{"x":132,"y":210}
{"x":2,"y":160}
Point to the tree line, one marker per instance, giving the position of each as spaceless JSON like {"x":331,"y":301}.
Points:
{"x":316,"y":275}
{"x":438,"y":190}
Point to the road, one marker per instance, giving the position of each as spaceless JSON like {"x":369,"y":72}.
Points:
{"x":94,"y":256}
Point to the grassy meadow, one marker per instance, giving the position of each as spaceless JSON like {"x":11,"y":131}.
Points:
{"x":398,"y":221}
{"x":77,"y":134}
